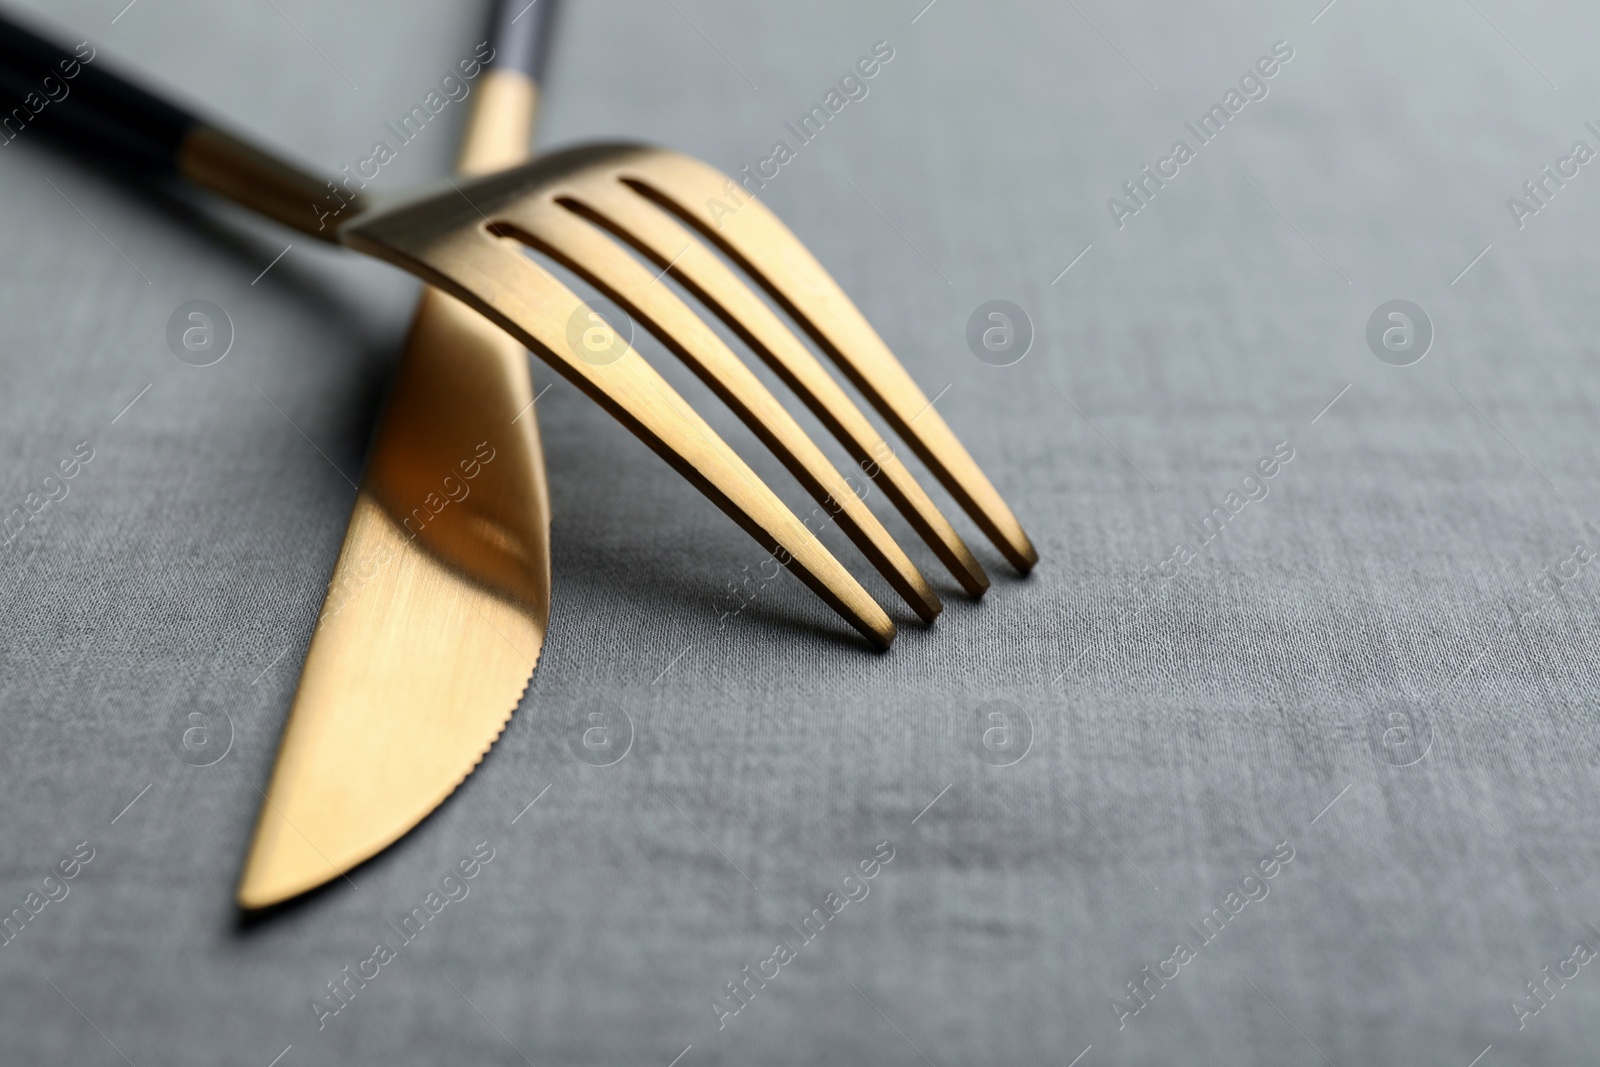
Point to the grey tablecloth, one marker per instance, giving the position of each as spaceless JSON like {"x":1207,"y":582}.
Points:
{"x":1361,"y":671}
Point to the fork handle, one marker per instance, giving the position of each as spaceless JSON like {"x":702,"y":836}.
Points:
{"x":69,"y":95}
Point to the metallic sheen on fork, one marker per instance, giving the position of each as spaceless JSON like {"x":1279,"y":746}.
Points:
{"x":561,"y":205}
{"x":468,"y":240}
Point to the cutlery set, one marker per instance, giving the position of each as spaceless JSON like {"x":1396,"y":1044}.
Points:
{"x":415,"y":670}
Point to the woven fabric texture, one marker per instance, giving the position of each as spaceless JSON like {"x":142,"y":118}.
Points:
{"x":1252,"y":769}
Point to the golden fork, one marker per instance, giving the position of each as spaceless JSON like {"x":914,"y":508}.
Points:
{"x":576,"y":206}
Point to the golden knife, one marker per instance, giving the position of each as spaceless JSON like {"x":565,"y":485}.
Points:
{"x":440,"y":598}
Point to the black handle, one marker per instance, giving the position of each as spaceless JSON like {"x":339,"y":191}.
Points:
{"x":520,"y":32}
{"x":67,"y":94}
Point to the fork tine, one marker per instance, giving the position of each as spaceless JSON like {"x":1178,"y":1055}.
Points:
{"x":595,"y":255}
{"x":763,"y":246}
{"x":451,"y":249}
{"x":646,"y":226}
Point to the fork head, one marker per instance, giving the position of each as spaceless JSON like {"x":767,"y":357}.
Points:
{"x":466,"y":239}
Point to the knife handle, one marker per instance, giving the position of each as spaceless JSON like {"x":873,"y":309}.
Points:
{"x":521,"y":33}
{"x":501,"y":125}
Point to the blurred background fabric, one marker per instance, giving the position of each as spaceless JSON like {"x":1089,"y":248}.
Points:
{"x":1362,"y":670}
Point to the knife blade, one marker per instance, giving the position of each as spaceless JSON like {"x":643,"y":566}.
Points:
{"x":440,"y":599}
